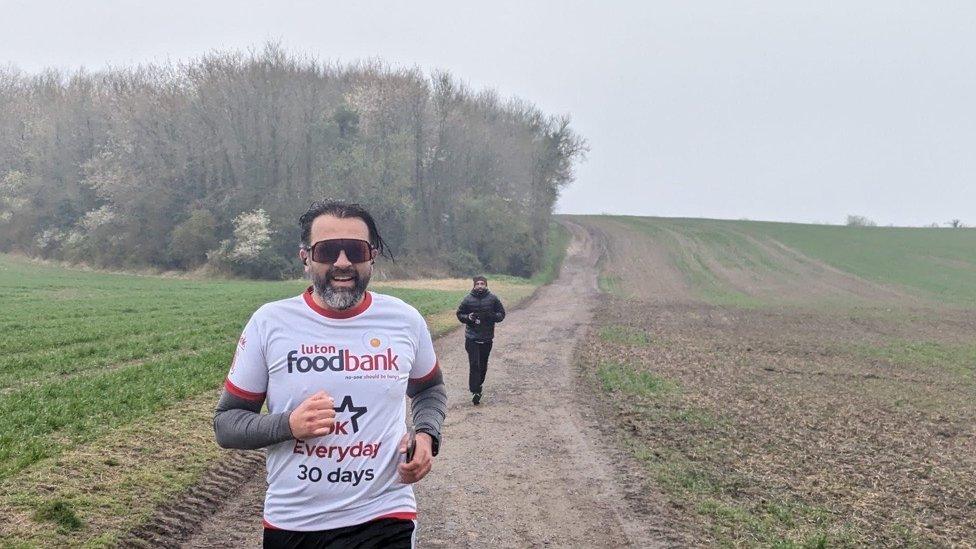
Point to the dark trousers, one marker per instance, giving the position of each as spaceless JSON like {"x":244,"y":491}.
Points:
{"x":382,"y":533}
{"x":477,"y":362}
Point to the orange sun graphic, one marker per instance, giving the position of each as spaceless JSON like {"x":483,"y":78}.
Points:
{"x":375,"y":342}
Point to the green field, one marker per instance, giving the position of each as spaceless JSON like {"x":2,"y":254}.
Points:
{"x":931,"y":263}
{"x":108,"y":382}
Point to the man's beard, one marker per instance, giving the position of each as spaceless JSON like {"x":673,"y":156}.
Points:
{"x":340,"y":299}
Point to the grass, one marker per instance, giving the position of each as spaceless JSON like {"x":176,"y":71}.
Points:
{"x":933,"y":263}
{"x":692,"y":246}
{"x":626,"y":335}
{"x":957,"y":359}
{"x":619,"y":377}
{"x":108,"y":381}
{"x":610,"y":284}
{"x":552,"y":260}
{"x":41,"y":421}
{"x":691,"y":249}
{"x":782,"y":523}
{"x":60,"y":513}
{"x":939,"y":263}
{"x":763,"y":525}
{"x":112,"y":482}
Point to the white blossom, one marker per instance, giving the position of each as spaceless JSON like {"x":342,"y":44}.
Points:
{"x":252,"y":234}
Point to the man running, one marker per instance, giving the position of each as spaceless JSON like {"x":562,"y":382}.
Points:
{"x":479,"y":311}
{"x":335,"y":365}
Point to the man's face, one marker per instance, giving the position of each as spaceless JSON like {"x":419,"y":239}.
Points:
{"x":480,"y":285}
{"x":340,"y":284}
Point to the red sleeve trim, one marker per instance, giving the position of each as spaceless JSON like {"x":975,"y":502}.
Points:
{"x":268,"y":525}
{"x":402,"y":515}
{"x":241,"y":393}
{"x":429,"y":375}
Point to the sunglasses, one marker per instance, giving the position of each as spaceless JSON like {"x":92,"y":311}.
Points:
{"x":327,"y":251}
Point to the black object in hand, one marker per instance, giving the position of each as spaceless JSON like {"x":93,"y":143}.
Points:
{"x":411,"y":448}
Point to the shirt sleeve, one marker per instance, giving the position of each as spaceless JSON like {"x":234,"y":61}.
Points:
{"x":248,"y":376}
{"x":425,"y":364}
{"x":499,"y":310}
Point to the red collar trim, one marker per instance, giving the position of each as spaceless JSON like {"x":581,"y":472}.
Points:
{"x":329,"y":313}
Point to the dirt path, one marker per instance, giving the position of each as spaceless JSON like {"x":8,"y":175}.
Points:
{"x":531,"y":466}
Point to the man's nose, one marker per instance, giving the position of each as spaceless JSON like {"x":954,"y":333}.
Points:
{"x":342,"y":261}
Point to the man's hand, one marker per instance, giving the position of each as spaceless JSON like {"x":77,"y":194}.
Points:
{"x":314,"y":417}
{"x":417,"y":468}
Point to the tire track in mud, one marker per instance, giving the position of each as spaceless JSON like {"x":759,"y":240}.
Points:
{"x":174,"y":522}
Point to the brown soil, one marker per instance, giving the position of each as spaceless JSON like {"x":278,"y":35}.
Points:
{"x":532,"y":466}
{"x":777,"y":405}
{"x":841,"y":410}
{"x":642,"y":266}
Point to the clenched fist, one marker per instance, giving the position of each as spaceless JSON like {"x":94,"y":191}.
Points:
{"x":314,"y":417}
{"x":423,"y":455}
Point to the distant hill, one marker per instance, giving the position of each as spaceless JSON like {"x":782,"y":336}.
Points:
{"x":753,"y":262}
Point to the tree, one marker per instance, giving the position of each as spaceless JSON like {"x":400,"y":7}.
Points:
{"x":193,"y":239}
{"x":860,"y":221}
{"x":175,"y":153}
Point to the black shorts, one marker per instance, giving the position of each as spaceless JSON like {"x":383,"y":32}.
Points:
{"x":387,"y":532}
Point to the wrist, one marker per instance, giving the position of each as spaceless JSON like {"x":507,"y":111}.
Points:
{"x":433,"y":439}
{"x":285,"y":422}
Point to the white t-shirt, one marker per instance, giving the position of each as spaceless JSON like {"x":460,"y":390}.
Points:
{"x":362,"y":357}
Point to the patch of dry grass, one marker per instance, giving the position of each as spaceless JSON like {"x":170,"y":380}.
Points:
{"x":113,"y":483}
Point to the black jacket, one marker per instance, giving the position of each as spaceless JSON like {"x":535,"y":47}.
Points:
{"x":486,"y":307}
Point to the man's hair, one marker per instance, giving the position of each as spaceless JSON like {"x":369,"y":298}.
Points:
{"x":479,"y":277}
{"x":342,"y":210}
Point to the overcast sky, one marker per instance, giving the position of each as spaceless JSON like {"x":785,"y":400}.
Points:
{"x":777,"y":110}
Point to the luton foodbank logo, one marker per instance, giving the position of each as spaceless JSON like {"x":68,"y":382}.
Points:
{"x":321,"y":358}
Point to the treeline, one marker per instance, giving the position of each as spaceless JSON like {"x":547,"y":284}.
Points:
{"x":211,"y":162}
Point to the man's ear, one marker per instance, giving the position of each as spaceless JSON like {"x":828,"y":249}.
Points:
{"x":304,"y":255}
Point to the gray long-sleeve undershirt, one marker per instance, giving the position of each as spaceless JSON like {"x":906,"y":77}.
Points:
{"x":239,"y":423}
{"x":428,"y":400}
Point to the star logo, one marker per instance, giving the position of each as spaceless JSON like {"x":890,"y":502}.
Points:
{"x":357,"y":411}
{"x":242,"y":342}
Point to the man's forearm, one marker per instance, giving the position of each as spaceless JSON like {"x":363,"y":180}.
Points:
{"x":239,"y":423}
{"x":429,"y":403}
{"x":499,"y":310}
